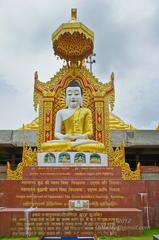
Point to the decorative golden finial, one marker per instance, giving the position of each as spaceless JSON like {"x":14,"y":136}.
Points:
{"x":8,"y":165}
{"x":73,"y":14}
{"x":36,"y":75}
{"x":112,"y":76}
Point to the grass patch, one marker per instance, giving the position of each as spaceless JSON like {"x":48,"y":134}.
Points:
{"x":148,"y":233}
{"x":19,"y":238}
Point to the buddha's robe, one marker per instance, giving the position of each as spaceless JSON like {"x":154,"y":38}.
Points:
{"x":80,"y":122}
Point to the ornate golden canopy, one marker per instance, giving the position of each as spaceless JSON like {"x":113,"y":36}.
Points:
{"x":73,"y":41}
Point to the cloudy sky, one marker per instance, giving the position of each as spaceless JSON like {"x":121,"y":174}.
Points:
{"x":126,"y":42}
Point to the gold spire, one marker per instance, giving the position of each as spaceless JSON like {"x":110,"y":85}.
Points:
{"x":73,"y":14}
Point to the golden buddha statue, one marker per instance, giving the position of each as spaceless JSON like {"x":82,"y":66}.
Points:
{"x":77,"y":122}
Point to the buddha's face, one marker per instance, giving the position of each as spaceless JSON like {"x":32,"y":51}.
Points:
{"x":73,"y":97}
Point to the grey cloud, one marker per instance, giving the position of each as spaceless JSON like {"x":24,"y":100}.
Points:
{"x":5,"y":88}
{"x":15,"y":106}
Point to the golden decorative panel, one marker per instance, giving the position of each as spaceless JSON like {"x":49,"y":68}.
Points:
{"x":29,"y":158}
{"x":117,"y":159}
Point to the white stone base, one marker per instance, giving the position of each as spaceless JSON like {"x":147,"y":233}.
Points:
{"x":72,"y":159}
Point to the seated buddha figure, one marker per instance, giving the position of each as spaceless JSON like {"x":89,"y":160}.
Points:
{"x":77,"y":122}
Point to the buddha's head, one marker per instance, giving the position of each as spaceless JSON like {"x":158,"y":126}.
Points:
{"x":74,"y":95}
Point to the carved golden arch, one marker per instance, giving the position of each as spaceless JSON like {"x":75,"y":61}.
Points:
{"x":99,"y":97}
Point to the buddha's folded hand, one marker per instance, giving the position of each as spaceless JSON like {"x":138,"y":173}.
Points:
{"x":79,"y":136}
